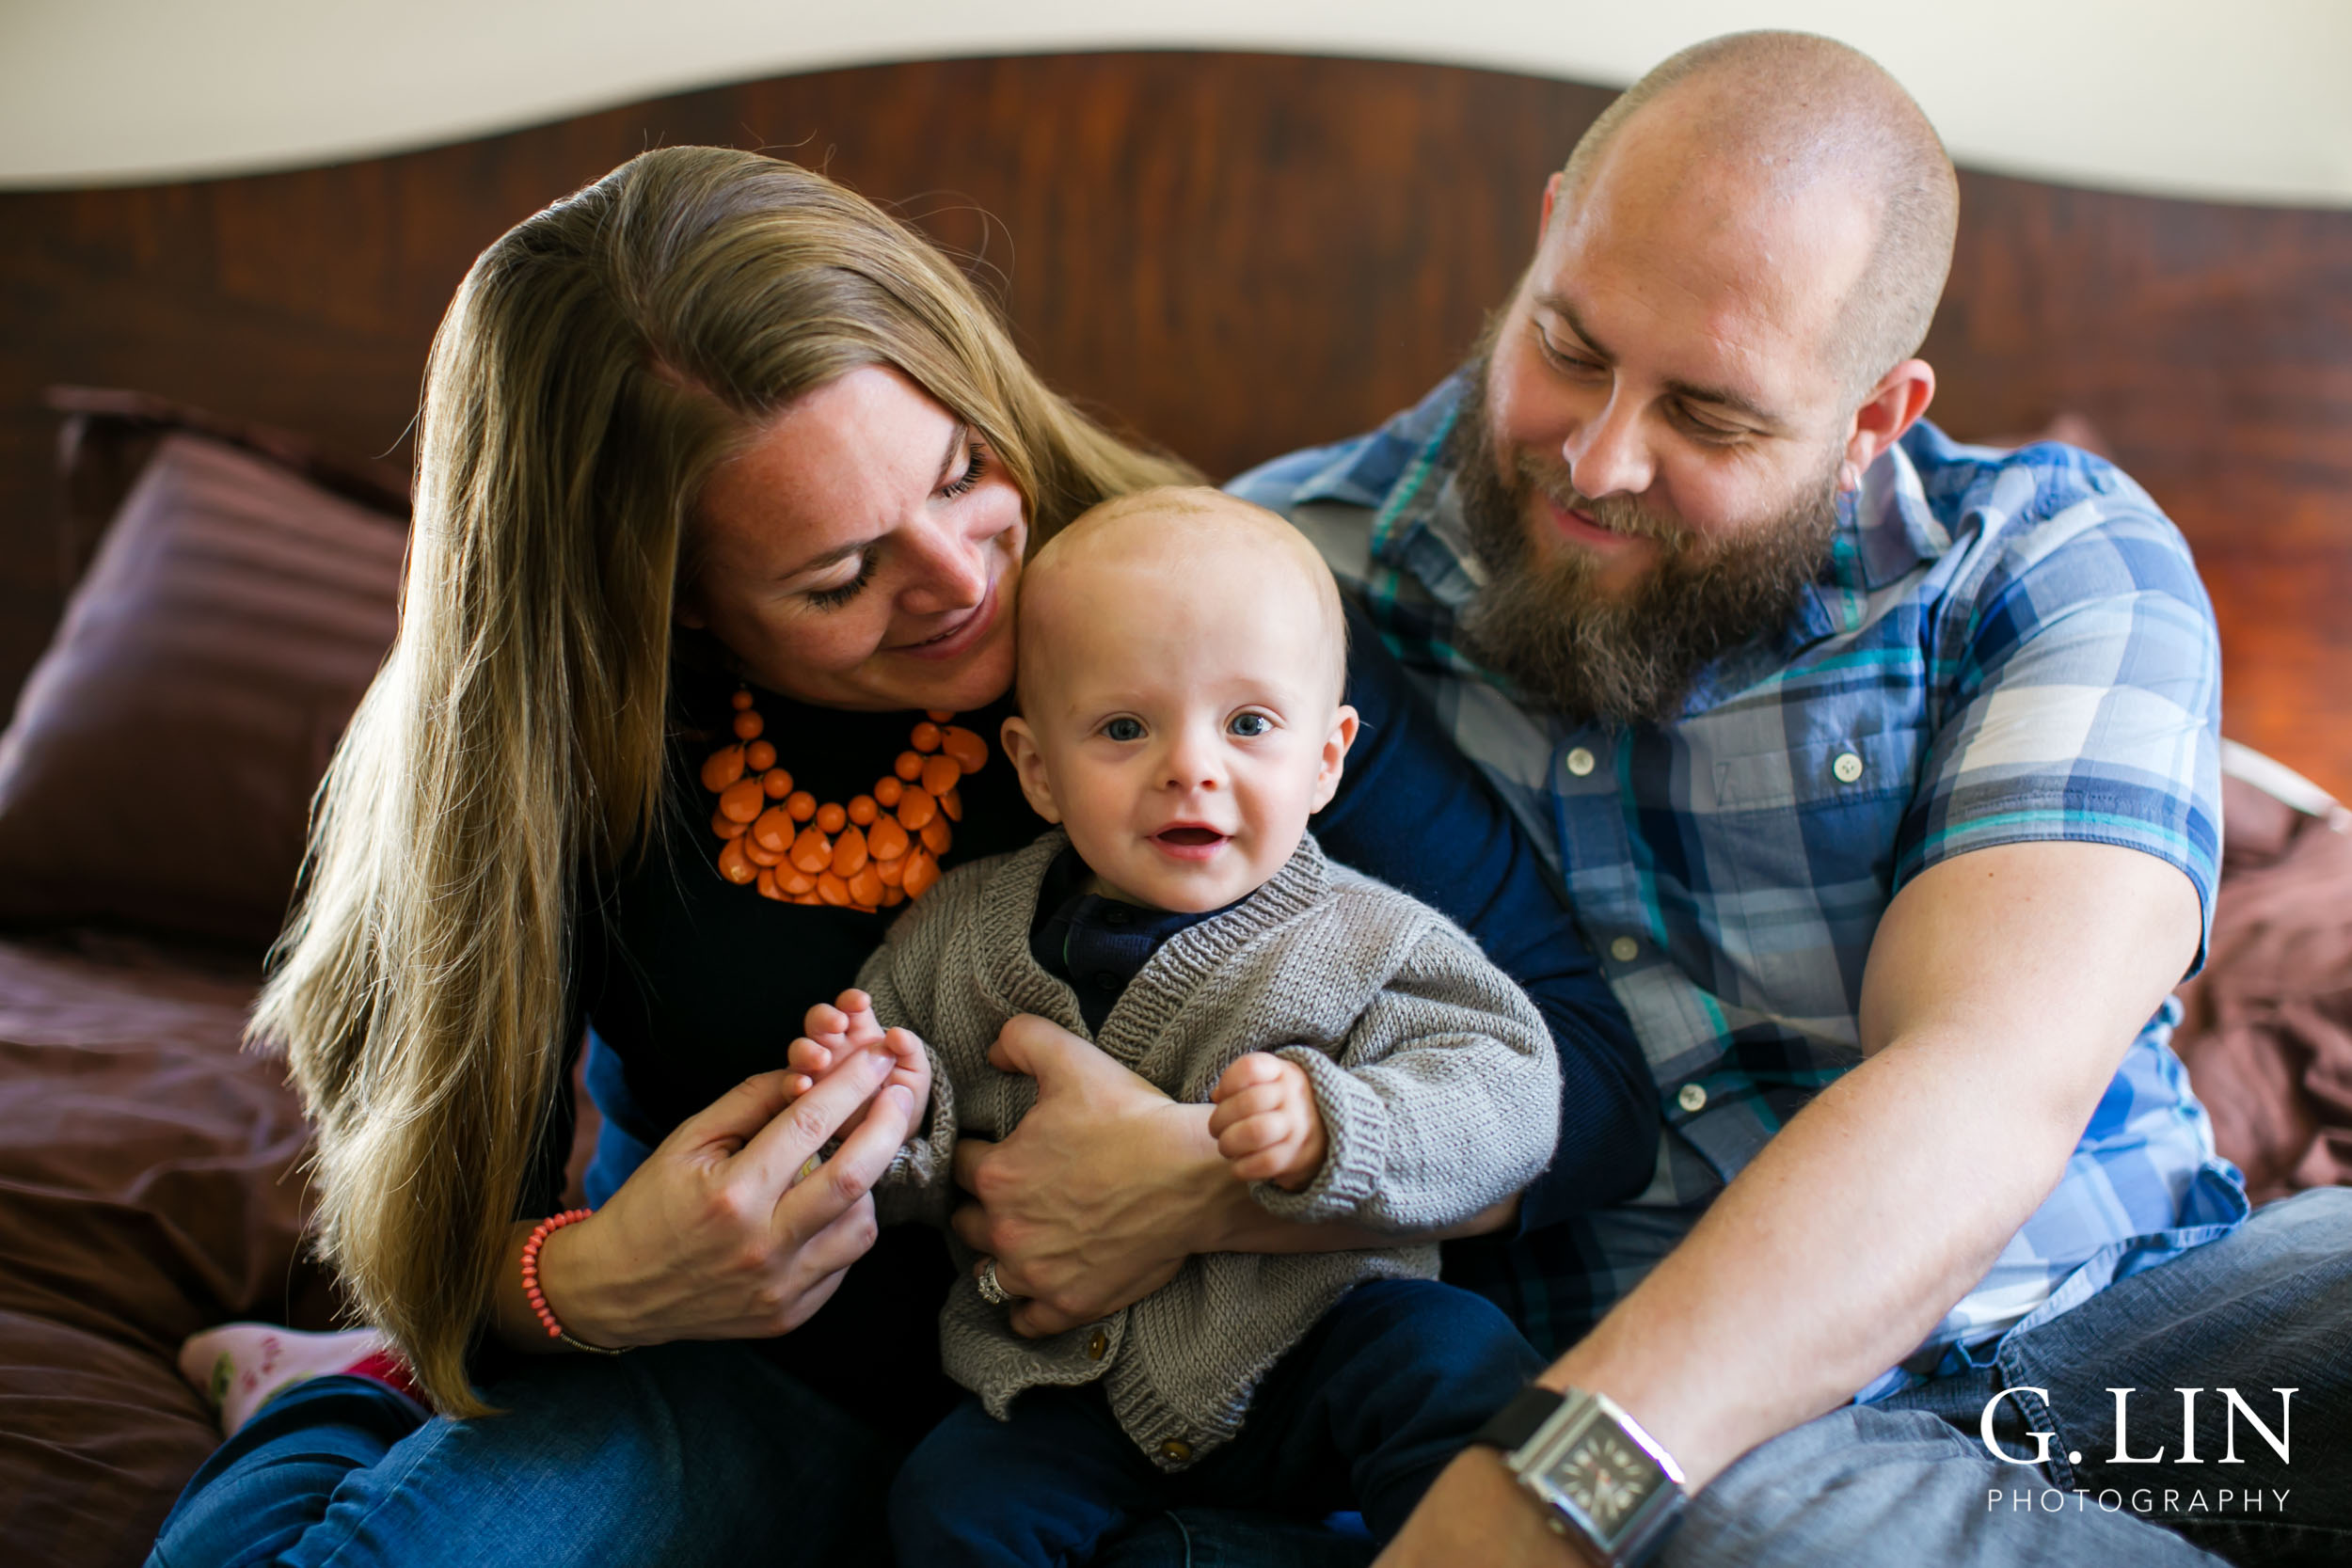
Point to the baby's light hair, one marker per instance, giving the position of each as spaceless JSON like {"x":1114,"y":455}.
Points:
{"x":1086,"y":534}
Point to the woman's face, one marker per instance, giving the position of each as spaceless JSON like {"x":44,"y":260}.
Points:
{"x":861,"y":552}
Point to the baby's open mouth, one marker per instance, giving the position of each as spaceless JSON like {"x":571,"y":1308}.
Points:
{"x":1191,"y":838}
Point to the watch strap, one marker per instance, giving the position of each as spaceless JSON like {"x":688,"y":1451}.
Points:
{"x":1510,"y":1427}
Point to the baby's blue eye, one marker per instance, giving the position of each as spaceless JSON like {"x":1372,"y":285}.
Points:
{"x":1125,"y":729}
{"x":1249,"y":724}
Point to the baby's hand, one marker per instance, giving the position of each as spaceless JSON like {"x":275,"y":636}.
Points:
{"x":834,"y":1030}
{"x":836,"y":1033}
{"x":1265,"y":1121}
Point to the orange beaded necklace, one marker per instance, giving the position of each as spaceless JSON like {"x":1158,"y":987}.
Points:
{"x":876,"y":851}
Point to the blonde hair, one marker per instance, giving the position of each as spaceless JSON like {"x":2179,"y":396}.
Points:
{"x":1177,"y":520}
{"x":597,"y":363}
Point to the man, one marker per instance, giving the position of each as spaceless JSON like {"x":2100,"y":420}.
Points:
{"x":1885,"y":772}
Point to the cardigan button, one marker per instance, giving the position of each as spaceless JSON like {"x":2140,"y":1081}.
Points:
{"x":1176,"y":1451}
{"x":1097,"y":1346}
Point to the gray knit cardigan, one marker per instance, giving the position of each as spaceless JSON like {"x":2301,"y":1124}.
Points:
{"x":1434,"y":1073}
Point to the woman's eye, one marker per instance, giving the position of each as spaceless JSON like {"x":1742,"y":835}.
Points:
{"x":1249,"y":726}
{"x":975,"y":466}
{"x":833,"y":598}
{"x":1123,"y":729}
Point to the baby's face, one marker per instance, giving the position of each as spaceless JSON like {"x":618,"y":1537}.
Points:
{"x":1181,"y":715}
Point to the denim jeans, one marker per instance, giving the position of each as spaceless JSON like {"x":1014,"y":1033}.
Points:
{"x":709,"y":1454}
{"x":1910,"y":1480}
{"x":1378,"y":1397}
{"x":681,"y":1454}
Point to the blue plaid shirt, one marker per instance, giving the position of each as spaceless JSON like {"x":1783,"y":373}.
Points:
{"x":2002,"y":647}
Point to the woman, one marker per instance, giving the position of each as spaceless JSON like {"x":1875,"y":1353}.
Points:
{"x":712,"y":425}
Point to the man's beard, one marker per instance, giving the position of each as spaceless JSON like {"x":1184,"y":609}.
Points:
{"x":1630,"y":656}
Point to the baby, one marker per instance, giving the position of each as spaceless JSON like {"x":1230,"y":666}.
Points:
{"x":1183,"y":659}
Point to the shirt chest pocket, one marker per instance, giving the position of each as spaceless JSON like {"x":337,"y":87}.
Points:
{"x":1806,"y":835}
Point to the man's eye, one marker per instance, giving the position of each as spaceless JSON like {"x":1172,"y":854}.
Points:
{"x":1708,"y":431}
{"x":1123,"y":729}
{"x":1568,"y":359}
{"x":1249,"y":724}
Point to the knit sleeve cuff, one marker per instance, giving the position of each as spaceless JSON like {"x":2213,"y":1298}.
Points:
{"x":1356,"y":1145}
{"x":916,"y":1184}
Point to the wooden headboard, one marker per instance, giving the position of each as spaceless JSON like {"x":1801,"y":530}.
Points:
{"x":1235,"y":254}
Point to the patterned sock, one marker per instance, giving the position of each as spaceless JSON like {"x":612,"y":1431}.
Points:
{"x":239,"y":1368}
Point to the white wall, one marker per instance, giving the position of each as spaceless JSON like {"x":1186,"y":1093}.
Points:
{"x":2246,"y":99}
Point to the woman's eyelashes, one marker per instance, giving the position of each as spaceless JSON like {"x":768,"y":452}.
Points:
{"x":833,"y":598}
{"x":975,"y":466}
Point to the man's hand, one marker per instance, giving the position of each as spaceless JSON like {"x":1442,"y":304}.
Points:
{"x":1265,"y":1122}
{"x":1475,"y":1512}
{"x":1099,"y":1194}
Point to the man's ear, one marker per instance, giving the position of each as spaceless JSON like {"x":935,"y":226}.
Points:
{"x":1028,"y":766}
{"x":1893,"y":406}
{"x":1335,"y":745}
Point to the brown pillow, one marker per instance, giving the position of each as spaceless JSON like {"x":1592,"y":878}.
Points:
{"x":160,"y":766}
{"x":109,"y":435}
{"x":150,"y":1184}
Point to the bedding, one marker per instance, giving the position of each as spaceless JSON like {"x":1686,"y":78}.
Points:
{"x":2267,"y":1035}
{"x":149,"y":1185}
{"x":159,"y":768}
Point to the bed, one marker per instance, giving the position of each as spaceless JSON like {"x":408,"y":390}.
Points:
{"x":204,"y":395}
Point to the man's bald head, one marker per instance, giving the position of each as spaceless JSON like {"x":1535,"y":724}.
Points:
{"x":1794,"y":116}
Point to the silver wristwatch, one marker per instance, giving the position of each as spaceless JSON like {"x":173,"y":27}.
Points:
{"x":1599,"y":1477}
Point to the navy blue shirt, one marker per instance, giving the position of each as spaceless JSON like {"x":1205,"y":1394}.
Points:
{"x":1095,"y":946}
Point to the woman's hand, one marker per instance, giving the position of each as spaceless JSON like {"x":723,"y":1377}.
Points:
{"x":715,"y":1236}
{"x":1103,"y":1190}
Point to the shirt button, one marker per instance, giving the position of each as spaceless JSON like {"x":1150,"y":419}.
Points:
{"x":1625,"y":950}
{"x":1176,"y":1451}
{"x":1105,"y":980}
{"x":1116,"y":916}
{"x":1693,"y":1098}
{"x":1579,"y":761}
{"x":1847,"y":768}
{"x":1099,"y":1346}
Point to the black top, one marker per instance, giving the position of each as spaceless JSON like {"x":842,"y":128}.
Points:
{"x":694,"y":983}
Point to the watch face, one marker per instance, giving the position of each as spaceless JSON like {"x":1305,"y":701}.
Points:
{"x":1607,"y":1478}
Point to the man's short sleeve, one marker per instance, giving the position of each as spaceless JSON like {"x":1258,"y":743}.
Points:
{"x":2082,"y":700}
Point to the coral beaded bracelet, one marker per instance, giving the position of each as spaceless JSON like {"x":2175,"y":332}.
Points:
{"x":539,"y":1234}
